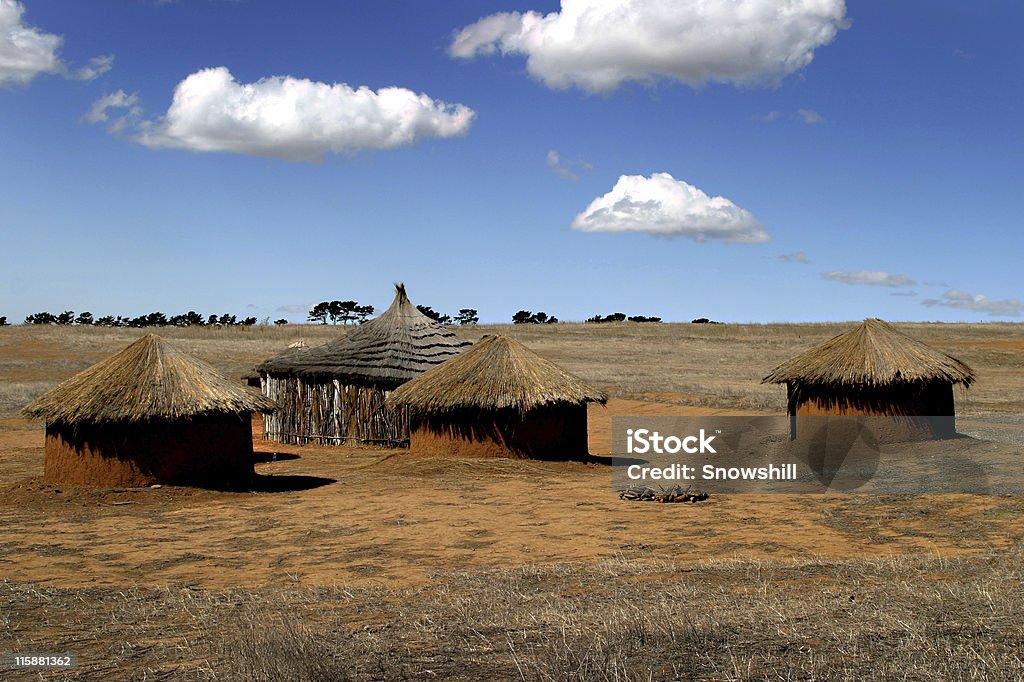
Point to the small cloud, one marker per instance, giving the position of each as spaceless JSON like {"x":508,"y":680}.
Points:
{"x":963,"y":54}
{"x":293,"y":308}
{"x":869,"y":277}
{"x":663,"y":206}
{"x":297,"y":119}
{"x":903,"y":293}
{"x":796,"y":257}
{"x":26,"y":51}
{"x":554,"y":162}
{"x":810,"y":116}
{"x":768,"y":117}
{"x":120,"y":100}
{"x":563,"y":168}
{"x":597,"y":45}
{"x":954,"y":298}
{"x":96,"y":67}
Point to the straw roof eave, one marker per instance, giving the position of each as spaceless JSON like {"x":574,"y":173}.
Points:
{"x":148,"y":381}
{"x":872,"y":354}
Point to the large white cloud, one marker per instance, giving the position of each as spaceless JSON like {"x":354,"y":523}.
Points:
{"x":870,"y":277}
{"x":662,"y":205}
{"x":954,"y":298}
{"x":25,"y":52}
{"x":297,"y":119}
{"x":598,"y":44}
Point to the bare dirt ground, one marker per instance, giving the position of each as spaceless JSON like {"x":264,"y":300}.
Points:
{"x":329,"y":518}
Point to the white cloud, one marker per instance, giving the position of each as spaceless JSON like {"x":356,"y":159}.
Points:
{"x":768,"y":117}
{"x":25,"y":52}
{"x":903,"y":293}
{"x":870,"y":277}
{"x":810,"y":116}
{"x":598,"y":44}
{"x":99,"y":112}
{"x":797,"y":257}
{"x":664,"y":206}
{"x":954,"y":298}
{"x":297,"y":119}
{"x":96,"y":67}
{"x":554,"y":162}
{"x":293,"y":308}
{"x":564,"y":168}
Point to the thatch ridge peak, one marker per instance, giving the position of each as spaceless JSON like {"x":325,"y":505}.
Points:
{"x":497,"y":373}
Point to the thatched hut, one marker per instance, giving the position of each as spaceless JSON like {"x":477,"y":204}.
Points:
{"x":876,"y":370}
{"x":498,"y":399}
{"x":334,"y":394}
{"x":149,"y":414}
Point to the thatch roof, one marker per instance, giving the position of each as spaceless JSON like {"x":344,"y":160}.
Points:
{"x":495,"y":374}
{"x":150,"y":380}
{"x":873,"y":353}
{"x":390,"y":349}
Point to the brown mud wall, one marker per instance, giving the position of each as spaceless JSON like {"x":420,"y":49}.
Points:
{"x":213,"y":451}
{"x":556,"y":433}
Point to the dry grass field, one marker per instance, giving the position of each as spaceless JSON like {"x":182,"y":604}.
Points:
{"x":356,"y":563}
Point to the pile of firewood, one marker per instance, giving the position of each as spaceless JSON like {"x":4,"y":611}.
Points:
{"x":676,"y":494}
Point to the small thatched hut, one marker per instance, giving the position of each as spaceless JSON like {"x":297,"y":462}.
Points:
{"x":149,"y":414}
{"x":498,"y":399}
{"x":876,"y":370}
{"x":334,"y":393}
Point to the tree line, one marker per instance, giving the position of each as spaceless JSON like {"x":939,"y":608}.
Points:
{"x":155,"y":319}
{"x":333,"y":311}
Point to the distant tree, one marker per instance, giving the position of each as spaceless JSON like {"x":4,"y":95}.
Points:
{"x":522,"y":317}
{"x":346,"y":310}
{"x":212,"y":320}
{"x":66,"y":317}
{"x":527,"y":317}
{"x":248,"y":322}
{"x":429,"y":312}
{"x":467,"y":316}
{"x":363,"y":312}
{"x":319,"y":312}
{"x":614,"y":317}
{"x":281,"y":322}
{"x":84,"y":318}
{"x":3,"y":321}
{"x":156,"y":319}
{"x":189,"y":319}
{"x":642,"y":318}
{"x":41,"y":318}
{"x":106,"y":321}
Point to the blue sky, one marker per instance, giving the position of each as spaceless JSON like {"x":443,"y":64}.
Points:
{"x":827,"y":162}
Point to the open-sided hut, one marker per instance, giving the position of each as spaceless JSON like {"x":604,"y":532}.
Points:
{"x":498,"y":399}
{"x":335,"y":393}
{"x":149,"y":414}
{"x":876,"y":370}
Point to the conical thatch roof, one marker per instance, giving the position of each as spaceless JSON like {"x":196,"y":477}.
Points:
{"x":150,"y":380}
{"x":390,"y":349}
{"x":497,"y":373}
{"x":873,"y":353}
